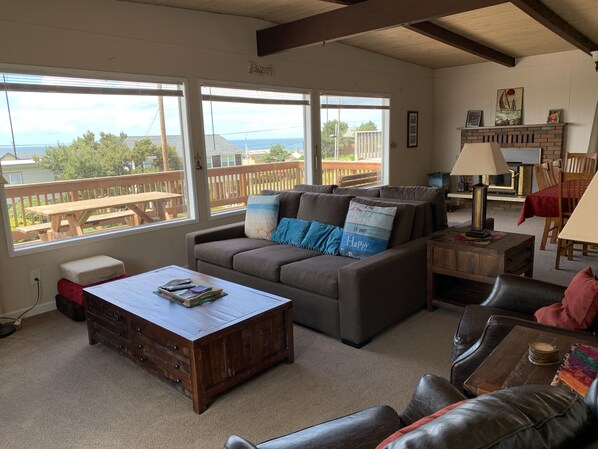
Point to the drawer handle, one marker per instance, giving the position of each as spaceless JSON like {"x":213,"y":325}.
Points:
{"x":140,"y":346}
{"x":176,"y":365}
{"x":138,"y":329}
{"x":119,"y":334}
{"x":178,"y":381}
{"x":120,"y":346}
{"x":142,"y":359}
{"x":175,"y":347}
{"x":117,"y":318}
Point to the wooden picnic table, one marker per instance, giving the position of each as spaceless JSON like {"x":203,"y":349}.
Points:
{"x":76,"y":213}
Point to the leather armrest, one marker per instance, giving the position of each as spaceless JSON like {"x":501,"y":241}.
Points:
{"x":224,"y":232}
{"x":523,"y":295}
{"x":361,"y":430}
{"x":431,"y":394}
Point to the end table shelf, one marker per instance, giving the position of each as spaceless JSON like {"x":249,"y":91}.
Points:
{"x":461,"y":272}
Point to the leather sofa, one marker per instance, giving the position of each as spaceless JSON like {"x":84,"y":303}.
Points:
{"x":512,"y":302}
{"x":342,"y":297}
{"x":532,"y":416}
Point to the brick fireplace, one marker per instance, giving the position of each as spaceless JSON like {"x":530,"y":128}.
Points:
{"x":549,"y":138}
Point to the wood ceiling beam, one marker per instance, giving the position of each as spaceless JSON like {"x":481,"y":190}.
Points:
{"x":451,"y":38}
{"x":555,"y":23}
{"x":359,"y":18}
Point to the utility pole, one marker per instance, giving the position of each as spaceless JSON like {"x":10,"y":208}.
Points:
{"x":165,"y":166}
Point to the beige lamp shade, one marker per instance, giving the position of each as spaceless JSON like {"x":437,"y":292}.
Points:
{"x":582,"y":226}
{"x":480,"y":159}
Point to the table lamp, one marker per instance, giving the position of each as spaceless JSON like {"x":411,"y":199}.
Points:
{"x":477,"y":159}
{"x":581,"y":226}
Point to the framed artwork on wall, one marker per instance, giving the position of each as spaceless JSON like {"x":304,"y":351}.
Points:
{"x":554,"y":116}
{"x":474,"y":119}
{"x":509,"y":106}
{"x":412,"y":129}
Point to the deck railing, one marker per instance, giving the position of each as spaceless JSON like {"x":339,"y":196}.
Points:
{"x":229,"y":187}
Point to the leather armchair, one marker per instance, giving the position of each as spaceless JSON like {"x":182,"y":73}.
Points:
{"x":572,"y":424}
{"x":512,"y":302}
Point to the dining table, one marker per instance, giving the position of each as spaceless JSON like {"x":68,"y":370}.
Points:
{"x":542,"y":203}
{"x":76,"y":213}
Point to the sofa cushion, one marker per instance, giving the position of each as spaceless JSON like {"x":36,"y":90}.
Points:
{"x":358,"y":191}
{"x":367,"y":230}
{"x":327,"y":188}
{"x":288,"y":202}
{"x":261,"y":217}
{"x":531,"y":416}
{"x":291,"y":231}
{"x":266,"y":262}
{"x":322,"y":237}
{"x":579,"y":308}
{"x":434,"y":195}
{"x":327,"y":208}
{"x":316,"y":274}
{"x":221,"y":252}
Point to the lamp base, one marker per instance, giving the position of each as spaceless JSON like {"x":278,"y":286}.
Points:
{"x":6,"y":330}
{"x":478,"y":234}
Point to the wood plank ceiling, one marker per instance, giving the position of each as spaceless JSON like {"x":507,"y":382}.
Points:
{"x":432,"y":33}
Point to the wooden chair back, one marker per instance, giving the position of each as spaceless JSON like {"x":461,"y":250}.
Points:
{"x":581,"y":162}
{"x":572,"y":186}
{"x":544,"y":175}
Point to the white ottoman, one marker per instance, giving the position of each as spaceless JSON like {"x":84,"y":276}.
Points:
{"x":92,"y":270}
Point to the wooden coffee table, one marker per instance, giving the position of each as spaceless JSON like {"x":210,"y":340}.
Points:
{"x":201,"y":351}
{"x":508,"y":365}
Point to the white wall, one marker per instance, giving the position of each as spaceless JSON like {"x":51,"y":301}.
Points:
{"x":565,"y":81}
{"x":125,"y":37}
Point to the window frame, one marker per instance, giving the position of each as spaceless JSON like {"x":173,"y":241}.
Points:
{"x":308,"y":147}
{"x":189,"y":172}
{"x":386,"y":121}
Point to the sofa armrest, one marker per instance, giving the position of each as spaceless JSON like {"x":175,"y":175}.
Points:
{"x":431,"y":394}
{"x":523,"y":295}
{"x":224,"y":232}
{"x":380,"y":290}
{"x":497,"y":328}
{"x":361,"y":430}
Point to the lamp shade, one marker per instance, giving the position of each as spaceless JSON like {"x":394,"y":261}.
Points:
{"x":582,"y":226}
{"x":480,"y":159}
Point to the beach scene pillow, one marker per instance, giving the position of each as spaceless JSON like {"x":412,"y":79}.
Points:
{"x":367,"y":230}
{"x":261,"y":217}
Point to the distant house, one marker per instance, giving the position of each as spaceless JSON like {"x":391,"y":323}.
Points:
{"x":219,"y":151}
{"x":24,"y":171}
{"x":7,"y":157}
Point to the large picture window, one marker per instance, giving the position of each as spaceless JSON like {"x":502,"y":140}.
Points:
{"x":254,"y":140}
{"x":354,"y":139}
{"x":96,"y":156}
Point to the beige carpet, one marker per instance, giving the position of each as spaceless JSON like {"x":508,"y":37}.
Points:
{"x":59,"y":392}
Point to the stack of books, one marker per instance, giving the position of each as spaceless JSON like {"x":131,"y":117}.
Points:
{"x":579,"y":369}
{"x":188,"y":293}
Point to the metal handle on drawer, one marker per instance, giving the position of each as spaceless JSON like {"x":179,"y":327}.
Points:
{"x":142,"y":359}
{"x":117,"y":318}
{"x":119,"y":334}
{"x":138,"y":329}
{"x":120,"y":346}
{"x":175,"y":347}
{"x":140,"y":346}
{"x":176,"y":365}
{"x":178,"y":381}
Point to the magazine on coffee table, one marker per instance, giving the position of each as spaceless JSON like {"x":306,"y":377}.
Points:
{"x":188,"y":293}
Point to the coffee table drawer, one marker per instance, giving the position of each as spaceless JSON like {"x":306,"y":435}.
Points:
{"x":161,"y":336}
{"x":108,"y":338}
{"x":153,"y":363}
{"x":118,"y":328}
{"x":103,"y":309}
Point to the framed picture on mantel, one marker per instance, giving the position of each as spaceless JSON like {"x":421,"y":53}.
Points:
{"x":474,"y":119}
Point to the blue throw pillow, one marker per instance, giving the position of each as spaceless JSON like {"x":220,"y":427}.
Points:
{"x":367,"y":230}
{"x":261,"y":216}
{"x":323,"y":237}
{"x":290,"y":231}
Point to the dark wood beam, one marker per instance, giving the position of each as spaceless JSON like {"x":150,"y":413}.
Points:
{"x":448,"y":37}
{"x":358,"y":18}
{"x":451,"y":38}
{"x":555,"y":23}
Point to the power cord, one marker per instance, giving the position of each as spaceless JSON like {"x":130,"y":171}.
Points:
{"x":17,"y":321}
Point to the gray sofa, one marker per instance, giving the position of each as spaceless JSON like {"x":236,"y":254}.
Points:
{"x":342,"y":297}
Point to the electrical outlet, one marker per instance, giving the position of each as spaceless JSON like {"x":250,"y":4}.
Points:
{"x":33,"y":275}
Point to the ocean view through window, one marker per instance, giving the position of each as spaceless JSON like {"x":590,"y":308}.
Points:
{"x":93,"y":156}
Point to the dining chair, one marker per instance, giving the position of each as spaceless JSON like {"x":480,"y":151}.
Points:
{"x":581,"y":162}
{"x":571,"y":187}
{"x":546,"y":176}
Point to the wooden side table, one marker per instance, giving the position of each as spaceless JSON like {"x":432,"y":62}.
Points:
{"x":508,"y":365}
{"x":462,"y":272}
